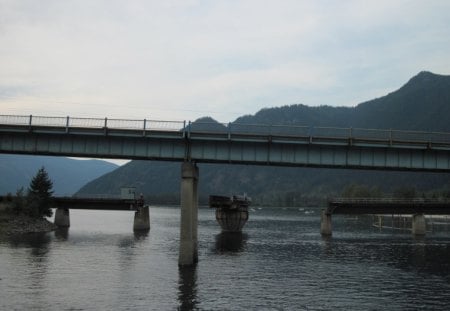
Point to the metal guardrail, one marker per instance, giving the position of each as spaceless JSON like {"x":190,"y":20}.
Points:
{"x":388,"y":201}
{"x":230,"y":129}
{"x":71,"y":122}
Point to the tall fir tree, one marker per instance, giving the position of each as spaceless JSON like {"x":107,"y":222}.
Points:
{"x":40,"y":194}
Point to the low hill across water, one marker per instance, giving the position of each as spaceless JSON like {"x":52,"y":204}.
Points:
{"x":67,"y":175}
{"x":423,"y":104}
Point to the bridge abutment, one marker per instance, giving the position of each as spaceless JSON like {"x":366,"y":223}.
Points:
{"x":141,"y":219}
{"x":325,"y":223}
{"x":62,"y":217}
{"x":188,"y":254}
{"x":419,"y":226}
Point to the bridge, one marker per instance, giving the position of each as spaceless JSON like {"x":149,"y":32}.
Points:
{"x":64,"y":204}
{"x":417,"y":207}
{"x":256,"y":144}
{"x":202,"y":142}
{"x":111,"y":204}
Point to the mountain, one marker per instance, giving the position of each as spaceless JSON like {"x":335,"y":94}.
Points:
{"x":423,"y":103}
{"x":67,"y":175}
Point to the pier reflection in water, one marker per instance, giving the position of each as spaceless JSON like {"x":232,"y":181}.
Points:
{"x":233,"y":242}
{"x":187,"y":288}
{"x":280,"y":261}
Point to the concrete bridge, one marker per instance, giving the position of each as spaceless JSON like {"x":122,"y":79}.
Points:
{"x":253,"y":144}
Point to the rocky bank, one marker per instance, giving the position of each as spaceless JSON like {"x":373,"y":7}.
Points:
{"x":24,"y":224}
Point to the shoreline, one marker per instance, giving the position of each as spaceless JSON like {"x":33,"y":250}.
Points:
{"x":20,"y":224}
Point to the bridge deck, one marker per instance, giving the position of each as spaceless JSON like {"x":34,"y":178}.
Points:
{"x":95,"y":203}
{"x":254,"y":144}
{"x":389,"y":206}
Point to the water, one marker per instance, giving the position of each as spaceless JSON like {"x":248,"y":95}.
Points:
{"x":280,"y":262}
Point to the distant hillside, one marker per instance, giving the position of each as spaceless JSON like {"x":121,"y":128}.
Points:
{"x":68,"y":175}
{"x":421,"y":104}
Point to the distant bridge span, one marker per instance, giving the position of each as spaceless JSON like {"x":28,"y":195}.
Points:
{"x":191,"y":143}
{"x":276,"y":145}
{"x":385,"y":206}
{"x":112,"y":204}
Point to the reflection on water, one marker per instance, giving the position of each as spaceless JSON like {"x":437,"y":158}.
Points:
{"x":327,"y":246}
{"x":279,"y":262}
{"x":140,"y":235}
{"x":38,"y":243}
{"x":232,"y":242}
{"x":62,"y":233}
{"x":187,"y":288}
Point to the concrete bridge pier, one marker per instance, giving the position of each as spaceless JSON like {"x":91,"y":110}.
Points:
{"x":325,"y":223}
{"x":141,"y":219}
{"x":188,"y":254}
{"x":419,"y":226}
{"x":62,"y":217}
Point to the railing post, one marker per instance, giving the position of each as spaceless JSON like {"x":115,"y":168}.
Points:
{"x":350,"y":140}
{"x":30,"y":123}
{"x":106,"y":126}
{"x":145,"y":126}
{"x":67,"y":124}
{"x":390,"y":137}
{"x":189,"y":130}
{"x":229,"y":130}
{"x":310,"y":134}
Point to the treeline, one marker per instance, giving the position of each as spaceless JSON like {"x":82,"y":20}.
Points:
{"x":35,"y":202}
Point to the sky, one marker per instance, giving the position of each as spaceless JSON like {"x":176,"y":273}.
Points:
{"x":182,"y":60}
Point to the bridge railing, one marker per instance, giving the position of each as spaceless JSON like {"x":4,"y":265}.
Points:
{"x":290,"y":130}
{"x":248,"y":129}
{"x":71,"y":122}
{"x":331,"y":132}
{"x":372,"y":134}
{"x":387,"y":200}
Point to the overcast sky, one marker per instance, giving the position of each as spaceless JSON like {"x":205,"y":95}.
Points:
{"x":180,"y":60}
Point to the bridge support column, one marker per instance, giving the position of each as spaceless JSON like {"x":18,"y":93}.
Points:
{"x":189,"y":215}
{"x":419,"y":226}
{"x":325,"y":223}
{"x":141,"y":219}
{"x":62,"y":217}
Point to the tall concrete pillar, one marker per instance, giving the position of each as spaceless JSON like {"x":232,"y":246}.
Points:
{"x":189,"y":217}
{"x":325,"y":223}
{"x":141,"y":219}
{"x":62,"y":217}
{"x":419,"y":226}
{"x":195,"y":215}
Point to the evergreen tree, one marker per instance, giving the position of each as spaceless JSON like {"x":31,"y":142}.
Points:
{"x":40,"y":194}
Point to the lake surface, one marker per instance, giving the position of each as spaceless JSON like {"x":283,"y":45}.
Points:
{"x":279,"y":262}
